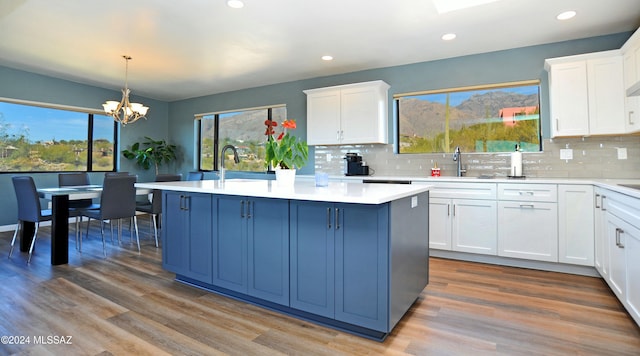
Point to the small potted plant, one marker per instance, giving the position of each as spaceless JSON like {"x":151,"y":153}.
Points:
{"x":153,"y":152}
{"x":286,"y":152}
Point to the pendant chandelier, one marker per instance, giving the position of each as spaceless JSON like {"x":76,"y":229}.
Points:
{"x":124,"y":111}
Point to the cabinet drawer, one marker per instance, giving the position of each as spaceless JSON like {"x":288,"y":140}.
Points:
{"x":528,"y":192}
{"x":462,"y":190}
{"x":623,"y":206}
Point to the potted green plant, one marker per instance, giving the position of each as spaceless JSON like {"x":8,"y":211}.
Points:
{"x":151,"y":152}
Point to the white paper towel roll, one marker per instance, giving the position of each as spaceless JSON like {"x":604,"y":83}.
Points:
{"x":516,"y":164}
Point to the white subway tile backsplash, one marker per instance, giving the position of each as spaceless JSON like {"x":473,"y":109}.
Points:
{"x":594,"y":157}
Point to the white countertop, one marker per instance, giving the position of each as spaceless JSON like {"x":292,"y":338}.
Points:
{"x":304,"y":189}
{"x":612,"y":184}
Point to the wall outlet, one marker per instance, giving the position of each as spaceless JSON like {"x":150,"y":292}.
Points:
{"x":622,"y":152}
{"x":566,"y":153}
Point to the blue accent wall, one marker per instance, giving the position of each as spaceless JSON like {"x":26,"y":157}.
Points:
{"x":175,"y":120}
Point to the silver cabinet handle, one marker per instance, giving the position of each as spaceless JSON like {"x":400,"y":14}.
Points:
{"x":630,"y":115}
{"x":454,"y":209}
{"x":337,"y":135}
{"x":184,"y":204}
{"x":248,"y":209}
{"x":596,"y":202}
{"x":619,"y":232}
{"x":241,"y":209}
{"x":531,"y":206}
{"x":602,"y":203}
{"x":448,"y":209}
{"x":337,"y":219}
{"x":328,"y":218}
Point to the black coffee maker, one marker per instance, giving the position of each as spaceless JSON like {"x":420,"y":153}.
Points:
{"x":354,"y":166}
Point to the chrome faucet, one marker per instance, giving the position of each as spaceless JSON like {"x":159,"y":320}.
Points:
{"x":457,"y":157}
{"x":235,"y":159}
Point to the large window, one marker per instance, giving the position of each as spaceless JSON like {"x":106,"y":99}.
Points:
{"x":479,"y":119}
{"x":41,"y":138}
{"x":243,"y":129}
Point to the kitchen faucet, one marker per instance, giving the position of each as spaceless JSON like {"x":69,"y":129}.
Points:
{"x":235,"y":159}
{"x":457,"y":157}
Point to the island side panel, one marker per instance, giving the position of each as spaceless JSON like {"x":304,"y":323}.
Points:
{"x":409,"y":255}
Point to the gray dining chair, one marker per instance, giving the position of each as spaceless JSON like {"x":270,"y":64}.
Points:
{"x":77,"y":206}
{"x":195,"y":176}
{"x":154,"y":207}
{"x":29,"y":209}
{"x":117,"y":201}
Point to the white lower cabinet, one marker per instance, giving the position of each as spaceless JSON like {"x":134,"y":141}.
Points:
{"x":528,"y":224}
{"x":622,"y":228}
{"x":576,"y":224}
{"x":528,"y":230}
{"x":458,"y":223}
{"x":463,"y":225}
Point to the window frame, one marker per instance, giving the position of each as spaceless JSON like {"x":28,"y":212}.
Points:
{"x":216,"y":138}
{"x":89,"y":134}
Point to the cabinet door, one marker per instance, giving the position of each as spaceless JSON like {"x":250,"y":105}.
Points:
{"x":200,"y":215}
{"x":576,"y":224}
{"x":175,"y":244}
{"x":475,"y":226}
{"x":569,"y":99}
{"x":360,"y":116}
{"x":528,"y":230}
{"x":312,"y":257}
{"x":440,"y":223}
{"x":268,"y":244}
{"x":323,"y":117}
{"x":617,"y":258}
{"x":632,"y":103}
{"x":631,"y":241}
{"x":606,"y":96}
{"x":230,"y":243}
{"x":362,"y":267}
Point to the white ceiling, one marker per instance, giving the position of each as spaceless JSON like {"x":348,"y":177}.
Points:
{"x":190,"y":48}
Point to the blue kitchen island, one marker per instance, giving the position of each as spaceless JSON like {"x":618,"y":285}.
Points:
{"x":352,"y":256}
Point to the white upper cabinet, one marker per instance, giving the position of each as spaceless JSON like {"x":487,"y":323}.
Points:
{"x":348,"y":114}
{"x":587,"y":94}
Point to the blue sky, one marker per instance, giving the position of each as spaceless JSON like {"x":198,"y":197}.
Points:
{"x":44,"y":124}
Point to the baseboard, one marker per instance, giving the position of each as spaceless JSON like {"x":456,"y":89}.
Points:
{"x":515,"y":262}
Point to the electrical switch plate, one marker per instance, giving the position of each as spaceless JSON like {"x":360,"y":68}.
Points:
{"x":329,"y":157}
{"x":414,"y":202}
{"x":622,"y":153}
{"x":566,"y":153}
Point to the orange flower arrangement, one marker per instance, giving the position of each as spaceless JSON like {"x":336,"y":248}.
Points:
{"x":286,"y":151}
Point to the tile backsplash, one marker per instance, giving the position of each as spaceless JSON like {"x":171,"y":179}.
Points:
{"x":593,"y":157}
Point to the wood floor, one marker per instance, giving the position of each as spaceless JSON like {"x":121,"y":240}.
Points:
{"x":126,"y":304}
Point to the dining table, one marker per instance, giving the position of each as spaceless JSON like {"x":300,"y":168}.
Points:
{"x":60,"y":197}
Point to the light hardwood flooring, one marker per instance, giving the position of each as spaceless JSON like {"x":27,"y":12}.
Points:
{"x":126,"y":304}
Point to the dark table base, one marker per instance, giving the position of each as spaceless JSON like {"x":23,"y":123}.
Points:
{"x":59,"y":231}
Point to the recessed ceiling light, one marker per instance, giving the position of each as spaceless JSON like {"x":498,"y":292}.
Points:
{"x":448,"y":36}
{"x":236,"y":4}
{"x":327,"y":58}
{"x":566,"y":15}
